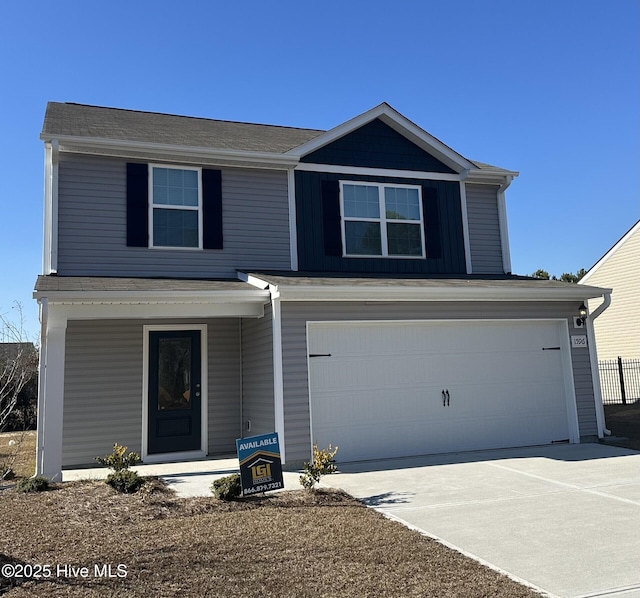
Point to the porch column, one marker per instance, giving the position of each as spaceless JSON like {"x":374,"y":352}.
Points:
{"x":51,"y":395}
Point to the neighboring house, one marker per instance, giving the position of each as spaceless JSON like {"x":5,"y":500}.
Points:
{"x":207,"y":280}
{"x":617,"y":331}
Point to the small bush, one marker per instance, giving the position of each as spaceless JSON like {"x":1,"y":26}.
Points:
{"x":322,"y":464}
{"x":125,"y":480}
{"x":36,"y":484}
{"x":227,"y":488}
{"x":117,"y":460}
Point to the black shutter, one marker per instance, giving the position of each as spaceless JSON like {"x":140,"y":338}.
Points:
{"x":331,"y":218}
{"x":212,"y":209}
{"x":137,"y":205}
{"x":431,"y":214}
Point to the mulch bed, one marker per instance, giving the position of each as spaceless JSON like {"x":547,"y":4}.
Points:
{"x":293,"y":543}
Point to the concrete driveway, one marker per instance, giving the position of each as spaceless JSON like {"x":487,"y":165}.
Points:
{"x":564,"y":519}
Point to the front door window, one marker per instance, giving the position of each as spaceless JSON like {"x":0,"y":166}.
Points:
{"x":174,"y":373}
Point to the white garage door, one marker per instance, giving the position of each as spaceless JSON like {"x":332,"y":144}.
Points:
{"x":410,"y":388}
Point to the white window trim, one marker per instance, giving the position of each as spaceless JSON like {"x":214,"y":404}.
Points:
{"x":382,"y":220}
{"x":197,"y":208}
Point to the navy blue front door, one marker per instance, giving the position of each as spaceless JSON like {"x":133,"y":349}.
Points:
{"x":175,"y":391}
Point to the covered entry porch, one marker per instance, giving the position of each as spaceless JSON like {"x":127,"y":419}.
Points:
{"x":173,"y":369}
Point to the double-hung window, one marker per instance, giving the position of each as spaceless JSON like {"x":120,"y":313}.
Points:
{"x":175,"y":207}
{"x":380,"y":219}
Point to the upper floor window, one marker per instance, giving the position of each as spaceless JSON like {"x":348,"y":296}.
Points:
{"x":381,"y":220}
{"x":175,"y":207}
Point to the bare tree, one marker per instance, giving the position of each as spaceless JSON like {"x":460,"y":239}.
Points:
{"x":18,"y":372}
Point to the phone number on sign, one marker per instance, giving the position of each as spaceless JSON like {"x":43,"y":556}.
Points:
{"x":263,"y":488}
{"x":27,"y":571}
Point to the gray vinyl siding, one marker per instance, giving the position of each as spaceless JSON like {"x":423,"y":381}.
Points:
{"x":257,"y":375}
{"x":583,"y":383}
{"x":225,"y":371}
{"x":103,"y":386}
{"x":294,"y":349}
{"x":102,"y":389}
{"x":484,"y":229}
{"x":92,"y":225}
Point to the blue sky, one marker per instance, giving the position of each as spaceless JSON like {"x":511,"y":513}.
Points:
{"x":547,"y":88}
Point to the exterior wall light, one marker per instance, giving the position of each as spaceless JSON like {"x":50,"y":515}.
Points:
{"x":584,"y":312}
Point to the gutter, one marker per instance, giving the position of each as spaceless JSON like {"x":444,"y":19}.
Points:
{"x":94,"y":145}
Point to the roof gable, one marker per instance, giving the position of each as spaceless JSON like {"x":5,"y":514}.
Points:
{"x":376,"y":145}
{"x":396,"y":121}
{"x":629,"y":238}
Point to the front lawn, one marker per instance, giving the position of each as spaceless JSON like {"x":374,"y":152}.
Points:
{"x":624,"y":422}
{"x":19,"y":456}
{"x":294,"y":543}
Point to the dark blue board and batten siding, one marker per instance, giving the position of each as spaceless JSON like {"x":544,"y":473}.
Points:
{"x":376,"y":145}
{"x":319,"y":233}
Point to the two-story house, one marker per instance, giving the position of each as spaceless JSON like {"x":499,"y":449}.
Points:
{"x":206,"y":280}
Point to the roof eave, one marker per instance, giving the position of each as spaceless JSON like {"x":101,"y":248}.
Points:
{"x":149,"y":297}
{"x":371,"y":293}
{"x":94,"y":145}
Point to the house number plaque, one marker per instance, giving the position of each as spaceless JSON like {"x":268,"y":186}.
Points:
{"x":579,"y":340}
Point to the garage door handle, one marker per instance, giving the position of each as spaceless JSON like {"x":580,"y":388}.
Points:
{"x":446,"y":398}
{"x":320,"y":355}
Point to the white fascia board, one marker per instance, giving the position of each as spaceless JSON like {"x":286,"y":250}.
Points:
{"x":253,"y":280}
{"x":147,"y":298}
{"x":142,"y":311}
{"x":381,"y":172}
{"x":94,"y":145}
{"x":610,"y":253}
{"x":399,"y":293}
{"x":491,"y":176}
{"x":396,"y":121}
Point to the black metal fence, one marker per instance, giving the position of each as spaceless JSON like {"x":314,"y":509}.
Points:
{"x":620,"y":381}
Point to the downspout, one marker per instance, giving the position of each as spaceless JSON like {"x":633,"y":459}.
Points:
{"x":42,"y":373}
{"x":595,"y":374}
{"x":504,"y":229}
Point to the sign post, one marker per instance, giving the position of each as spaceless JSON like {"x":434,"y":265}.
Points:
{"x":260,"y":465}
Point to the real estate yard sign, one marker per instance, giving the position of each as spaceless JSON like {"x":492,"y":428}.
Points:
{"x":260,"y":466}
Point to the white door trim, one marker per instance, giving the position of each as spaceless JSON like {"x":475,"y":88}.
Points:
{"x":204,"y":373}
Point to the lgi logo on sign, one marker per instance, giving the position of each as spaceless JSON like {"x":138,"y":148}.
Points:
{"x":260,"y":466}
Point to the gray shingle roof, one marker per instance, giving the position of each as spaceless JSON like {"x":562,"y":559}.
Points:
{"x":80,"y":120}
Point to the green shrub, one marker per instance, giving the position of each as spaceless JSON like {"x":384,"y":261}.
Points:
{"x":117,"y":460}
{"x":321,"y":464}
{"x":227,"y":488}
{"x":125,"y":480}
{"x":36,"y":484}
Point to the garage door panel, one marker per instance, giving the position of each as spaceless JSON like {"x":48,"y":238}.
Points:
{"x":380,"y":392}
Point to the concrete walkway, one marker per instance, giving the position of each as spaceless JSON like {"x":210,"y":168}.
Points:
{"x":187,"y":478}
{"x":564,"y":519}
